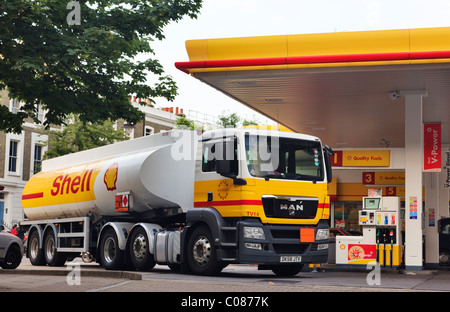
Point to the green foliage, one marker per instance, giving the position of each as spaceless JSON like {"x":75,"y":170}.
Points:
{"x":184,"y":123}
{"x":247,"y":122}
{"x":78,"y":136}
{"x":229,"y":121}
{"x":88,"y":69}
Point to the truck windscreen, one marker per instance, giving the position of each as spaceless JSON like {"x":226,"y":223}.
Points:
{"x":273,"y":157}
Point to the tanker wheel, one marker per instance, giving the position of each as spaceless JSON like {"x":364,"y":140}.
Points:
{"x":139,"y":248}
{"x":111,"y":257}
{"x":201,"y":253}
{"x":35,"y":254}
{"x":52,"y":257}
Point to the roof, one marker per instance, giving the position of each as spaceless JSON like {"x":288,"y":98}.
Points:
{"x":335,"y":85}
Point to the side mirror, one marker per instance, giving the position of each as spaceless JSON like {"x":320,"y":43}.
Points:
{"x":224,"y":167}
{"x":227,"y":168}
{"x":327,"y":152}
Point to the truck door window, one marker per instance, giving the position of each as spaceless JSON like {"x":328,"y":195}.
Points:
{"x":210,"y":152}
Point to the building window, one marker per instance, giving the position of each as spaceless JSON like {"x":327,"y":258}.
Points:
{"x":13,"y":147}
{"x":15,"y":106}
{"x":37,"y":158}
{"x":149,"y":130}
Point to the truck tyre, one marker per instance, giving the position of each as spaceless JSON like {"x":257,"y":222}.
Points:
{"x":52,"y":257}
{"x":13,"y":258}
{"x":287,"y":270}
{"x":201,"y":252}
{"x":35,"y":253}
{"x":140,"y":254}
{"x":111,"y":257}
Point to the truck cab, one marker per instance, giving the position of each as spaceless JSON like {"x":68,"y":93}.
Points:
{"x":269,"y":191}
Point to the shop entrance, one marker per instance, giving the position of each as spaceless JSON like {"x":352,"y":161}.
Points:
{"x":346,"y":216}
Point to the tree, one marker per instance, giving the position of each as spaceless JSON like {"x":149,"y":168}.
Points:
{"x":184,"y":123}
{"x":229,"y":121}
{"x":79,"y":136}
{"x":80,"y":57}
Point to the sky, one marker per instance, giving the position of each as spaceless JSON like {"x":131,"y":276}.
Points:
{"x":243,"y":18}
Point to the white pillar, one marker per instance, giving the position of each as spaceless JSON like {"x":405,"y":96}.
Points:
{"x":413,"y":178}
{"x":431,"y":218}
{"x":444,"y":179}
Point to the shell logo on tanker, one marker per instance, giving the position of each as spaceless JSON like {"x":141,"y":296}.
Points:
{"x":110,"y":177}
{"x":68,"y":184}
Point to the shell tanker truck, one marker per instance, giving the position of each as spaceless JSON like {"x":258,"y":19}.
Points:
{"x":191,"y":200}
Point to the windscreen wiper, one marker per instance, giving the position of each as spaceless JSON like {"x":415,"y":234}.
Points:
{"x":273,"y":175}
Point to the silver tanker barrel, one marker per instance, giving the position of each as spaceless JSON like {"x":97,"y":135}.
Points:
{"x":155,"y":171}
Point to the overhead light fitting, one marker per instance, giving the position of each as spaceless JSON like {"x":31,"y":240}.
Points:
{"x":249,"y":83}
{"x":274,"y":100}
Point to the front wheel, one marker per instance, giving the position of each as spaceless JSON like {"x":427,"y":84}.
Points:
{"x":201,"y":252}
{"x":12,"y":259}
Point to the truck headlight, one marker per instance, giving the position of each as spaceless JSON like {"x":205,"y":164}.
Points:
{"x":254,"y":232}
{"x":322,"y":234}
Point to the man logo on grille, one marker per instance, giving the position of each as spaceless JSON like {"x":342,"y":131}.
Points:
{"x":291,"y":208}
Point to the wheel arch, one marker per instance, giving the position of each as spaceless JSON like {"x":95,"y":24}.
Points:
{"x":122,"y":230}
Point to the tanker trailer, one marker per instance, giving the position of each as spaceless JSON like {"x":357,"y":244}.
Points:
{"x":186,"y":199}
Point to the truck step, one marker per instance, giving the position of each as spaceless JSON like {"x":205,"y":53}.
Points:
{"x":228,"y":228}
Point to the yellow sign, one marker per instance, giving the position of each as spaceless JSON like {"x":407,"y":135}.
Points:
{"x":372,"y":158}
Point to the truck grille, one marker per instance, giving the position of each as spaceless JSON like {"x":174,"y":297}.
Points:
{"x":296,"y":249}
{"x":290,"y":207}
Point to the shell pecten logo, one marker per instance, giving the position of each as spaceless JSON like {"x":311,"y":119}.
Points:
{"x":110,"y":177}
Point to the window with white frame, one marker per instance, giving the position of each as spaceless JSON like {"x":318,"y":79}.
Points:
{"x":149,"y":130}
{"x":13,"y":156}
{"x":37,"y":158}
{"x":14,"y":106}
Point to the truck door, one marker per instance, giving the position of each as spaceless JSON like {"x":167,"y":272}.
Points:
{"x":212,"y":188}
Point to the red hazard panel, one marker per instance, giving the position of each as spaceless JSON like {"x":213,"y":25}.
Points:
{"x":122,"y":203}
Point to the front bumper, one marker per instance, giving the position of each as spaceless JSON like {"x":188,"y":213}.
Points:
{"x":280,"y":241}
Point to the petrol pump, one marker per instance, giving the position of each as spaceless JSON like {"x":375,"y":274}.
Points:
{"x":381,"y":240}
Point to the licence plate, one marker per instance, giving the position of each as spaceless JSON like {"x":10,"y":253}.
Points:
{"x":290,"y":259}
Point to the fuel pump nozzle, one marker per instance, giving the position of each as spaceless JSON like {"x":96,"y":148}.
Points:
{"x":378,"y":239}
{"x":385,"y":241}
{"x":392,"y":239}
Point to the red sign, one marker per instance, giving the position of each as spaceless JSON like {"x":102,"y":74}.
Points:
{"x":361,"y":252}
{"x":368,"y":178}
{"x":336,"y":160}
{"x":432,"y":147}
{"x":122,"y":203}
